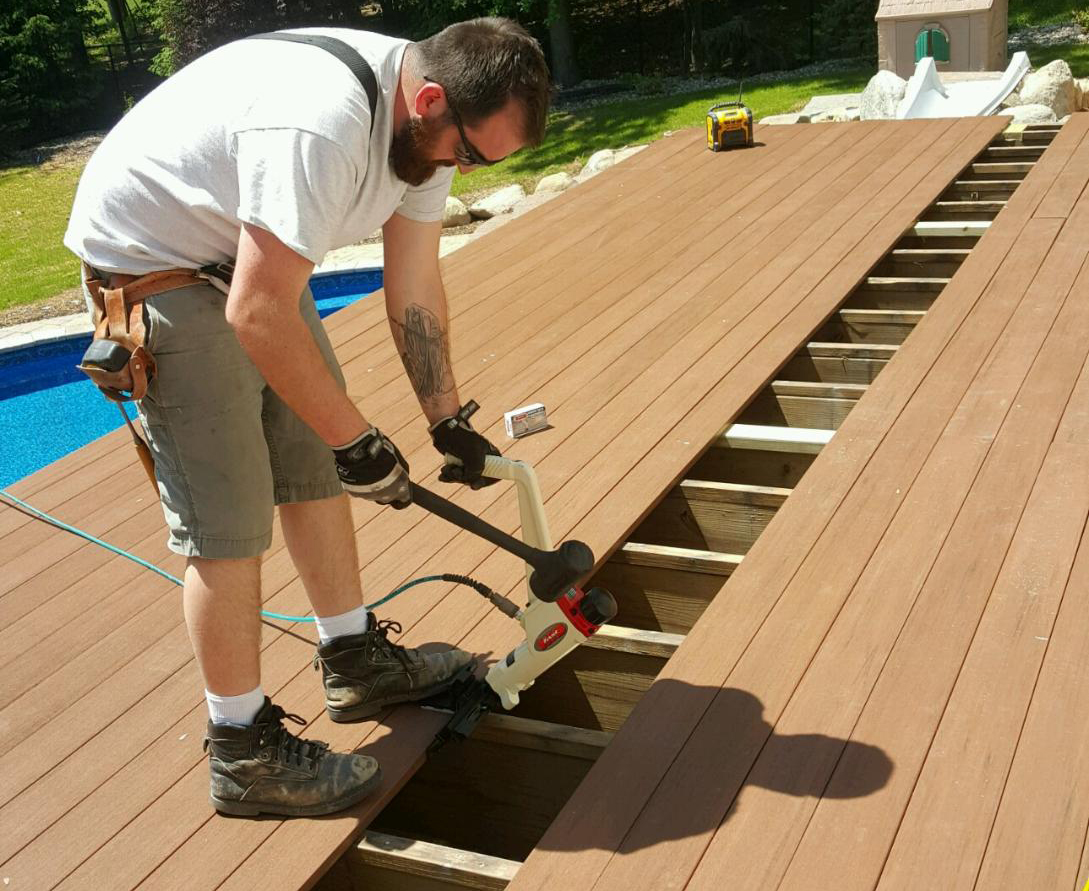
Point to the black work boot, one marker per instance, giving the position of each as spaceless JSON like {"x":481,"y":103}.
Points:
{"x":265,"y":769}
{"x":364,"y":673}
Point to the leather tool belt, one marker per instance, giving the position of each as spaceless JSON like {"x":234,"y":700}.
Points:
{"x":118,"y":360}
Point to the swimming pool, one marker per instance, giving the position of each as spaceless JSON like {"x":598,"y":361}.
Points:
{"x":48,"y":408}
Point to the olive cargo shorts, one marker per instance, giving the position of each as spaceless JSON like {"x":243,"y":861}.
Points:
{"x":226,"y":447}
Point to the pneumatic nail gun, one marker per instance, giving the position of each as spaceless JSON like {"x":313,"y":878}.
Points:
{"x":558,"y":616}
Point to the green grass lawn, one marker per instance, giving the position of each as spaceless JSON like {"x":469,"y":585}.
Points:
{"x":34,"y":206}
{"x":1024,"y":13}
{"x":1076,"y":54}
{"x":574,"y":136}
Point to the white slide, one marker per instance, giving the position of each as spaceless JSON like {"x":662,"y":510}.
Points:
{"x":928,"y":97}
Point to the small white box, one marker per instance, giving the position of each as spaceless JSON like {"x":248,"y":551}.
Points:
{"x":525,"y":420}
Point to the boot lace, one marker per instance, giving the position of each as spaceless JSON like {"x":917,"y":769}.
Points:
{"x":290,"y":749}
{"x":382,"y":630}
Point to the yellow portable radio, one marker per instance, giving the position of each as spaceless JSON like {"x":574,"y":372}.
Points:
{"x":729,"y":125}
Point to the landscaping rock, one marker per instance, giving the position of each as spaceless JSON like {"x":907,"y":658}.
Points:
{"x":626,"y":152}
{"x":1064,"y":120}
{"x":796,"y":118}
{"x":1081,"y":93}
{"x":600,"y":160}
{"x":881,"y":96}
{"x":532,"y":201}
{"x":836,"y":115}
{"x":497,"y":203}
{"x":455,"y":214}
{"x":1030,"y":114}
{"x":556,"y":182}
{"x":825,"y":103}
{"x":1053,"y":86}
{"x":1012,"y":100}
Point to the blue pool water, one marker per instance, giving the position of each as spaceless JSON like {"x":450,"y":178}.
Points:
{"x":48,"y":408}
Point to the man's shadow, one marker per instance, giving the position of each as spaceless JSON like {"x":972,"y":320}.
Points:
{"x":728,"y":746}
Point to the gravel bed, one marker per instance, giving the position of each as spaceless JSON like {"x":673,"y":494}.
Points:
{"x":1047,"y":35}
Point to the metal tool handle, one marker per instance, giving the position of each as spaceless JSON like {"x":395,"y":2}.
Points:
{"x":554,"y":572}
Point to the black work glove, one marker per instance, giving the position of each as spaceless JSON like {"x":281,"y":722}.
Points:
{"x":371,"y":467}
{"x":455,"y":438}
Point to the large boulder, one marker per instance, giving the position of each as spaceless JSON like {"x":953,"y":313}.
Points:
{"x":1012,"y":100}
{"x":556,"y":182}
{"x":1081,"y":93}
{"x":881,"y":96}
{"x":1023,"y":115}
{"x":455,"y":213}
{"x":1053,"y":86}
{"x":497,"y":203}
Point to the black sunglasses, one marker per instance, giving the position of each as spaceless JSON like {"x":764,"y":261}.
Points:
{"x":466,"y":154}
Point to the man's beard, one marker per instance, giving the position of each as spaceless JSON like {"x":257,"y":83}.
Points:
{"x":411,"y":146}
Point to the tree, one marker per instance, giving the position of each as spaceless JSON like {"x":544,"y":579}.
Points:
{"x":565,"y":71}
{"x":47,"y":84}
{"x":693,"y":36}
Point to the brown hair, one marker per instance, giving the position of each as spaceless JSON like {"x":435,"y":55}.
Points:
{"x":483,"y":64}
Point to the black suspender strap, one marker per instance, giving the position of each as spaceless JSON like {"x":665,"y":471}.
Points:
{"x":350,"y":57}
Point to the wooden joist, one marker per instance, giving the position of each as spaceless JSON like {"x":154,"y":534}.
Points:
{"x":382,"y":862}
{"x":774,"y":439}
{"x":923,"y":262}
{"x":848,"y":363}
{"x":946,"y":229}
{"x":542,"y":736}
{"x":999,"y":169}
{"x":1002,"y":153}
{"x":708,"y":515}
{"x":870,"y":325}
{"x":981,"y":189}
{"x":897,"y":292}
{"x":803,"y":404}
{"x":662,"y":588}
{"x":639,"y":641}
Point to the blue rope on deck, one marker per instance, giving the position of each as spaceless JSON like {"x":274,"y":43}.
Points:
{"x":60,"y":524}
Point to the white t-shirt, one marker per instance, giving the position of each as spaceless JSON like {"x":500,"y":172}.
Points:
{"x":267,"y":132}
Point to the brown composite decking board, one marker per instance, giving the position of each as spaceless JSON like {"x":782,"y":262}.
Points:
{"x":585,"y":443}
{"x":289,"y":610}
{"x":594,"y":805}
{"x":859,"y":644}
{"x":261,"y":862}
{"x":117,"y":819}
{"x":862,"y":635}
{"x":487,"y":631}
{"x":275,"y":558}
{"x":742,"y":715}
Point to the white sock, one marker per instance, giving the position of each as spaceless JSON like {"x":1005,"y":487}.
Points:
{"x":235,"y":709}
{"x":352,"y":622}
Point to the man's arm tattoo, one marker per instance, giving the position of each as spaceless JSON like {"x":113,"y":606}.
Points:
{"x":426,"y":353}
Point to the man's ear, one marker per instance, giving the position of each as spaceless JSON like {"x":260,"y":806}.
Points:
{"x":430,"y":100}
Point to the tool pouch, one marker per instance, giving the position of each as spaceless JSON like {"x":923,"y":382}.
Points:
{"x":118,"y":361}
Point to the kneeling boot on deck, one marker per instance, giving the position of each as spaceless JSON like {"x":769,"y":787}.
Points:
{"x":265,"y":769}
{"x":364,"y":673}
